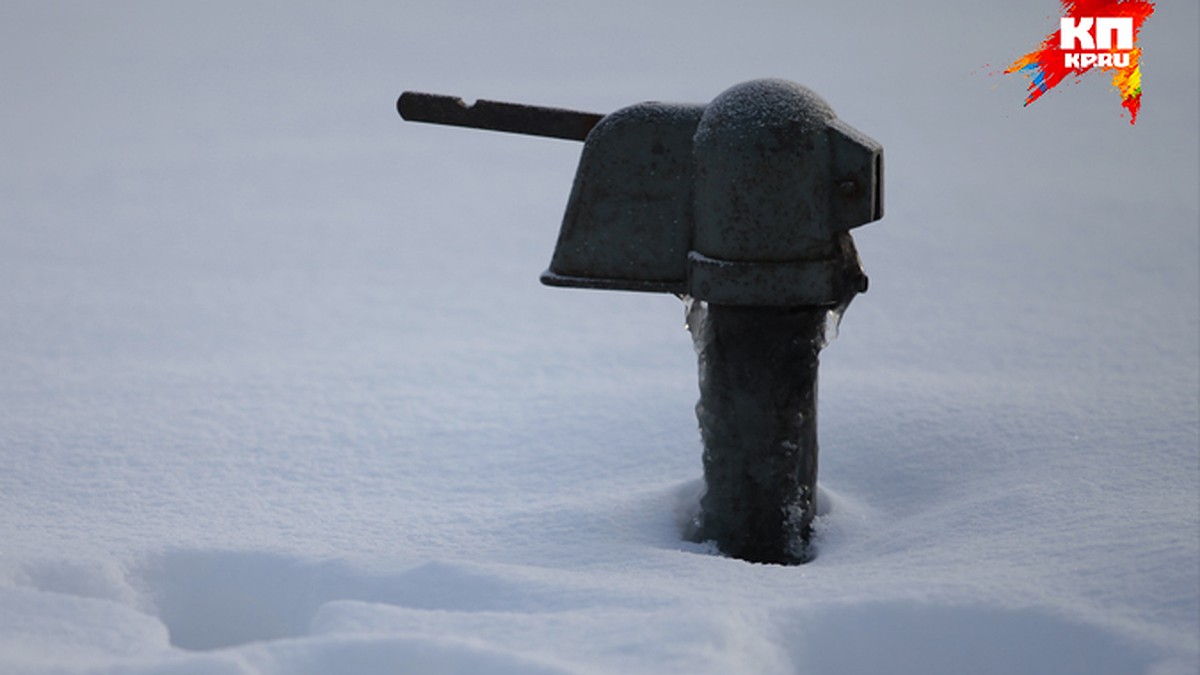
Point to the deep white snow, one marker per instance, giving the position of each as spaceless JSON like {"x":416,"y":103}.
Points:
{"x":280,"y":391}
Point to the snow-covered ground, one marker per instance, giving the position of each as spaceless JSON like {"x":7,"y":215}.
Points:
{"x":280,"y":391}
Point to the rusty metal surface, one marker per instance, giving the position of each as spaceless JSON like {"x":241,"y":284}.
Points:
{"x":515,"y":118}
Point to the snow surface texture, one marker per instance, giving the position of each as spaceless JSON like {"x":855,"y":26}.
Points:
{"x":280,"y":391}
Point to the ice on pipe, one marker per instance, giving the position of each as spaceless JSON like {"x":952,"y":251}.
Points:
{"x":758,"y":422}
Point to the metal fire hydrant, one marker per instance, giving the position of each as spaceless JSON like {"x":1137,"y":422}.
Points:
{"x":743,"y":207}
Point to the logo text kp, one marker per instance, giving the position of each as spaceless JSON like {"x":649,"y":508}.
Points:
{"x":1083,"y":49}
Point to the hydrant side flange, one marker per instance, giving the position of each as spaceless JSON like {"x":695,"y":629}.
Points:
{"x":628,"y":220}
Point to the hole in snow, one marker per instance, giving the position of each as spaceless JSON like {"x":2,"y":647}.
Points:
{"x":215,"y":599}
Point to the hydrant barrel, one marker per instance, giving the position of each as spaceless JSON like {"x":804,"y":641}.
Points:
{"x":758,"y":422}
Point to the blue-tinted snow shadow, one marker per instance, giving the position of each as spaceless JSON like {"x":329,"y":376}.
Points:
{"x":900,"y":638}
{"x":211,"y":599}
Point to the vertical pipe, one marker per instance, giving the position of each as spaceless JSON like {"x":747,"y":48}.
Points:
{"x":758,"y":420}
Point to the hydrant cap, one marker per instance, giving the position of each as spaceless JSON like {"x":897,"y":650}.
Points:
{"x":778,"y":176}
{"x":749,"y":107}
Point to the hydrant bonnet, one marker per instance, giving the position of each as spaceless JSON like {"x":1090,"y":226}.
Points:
{"x":743,"y":201}
{"x":761,"y":171}
{"x":774,"y":172}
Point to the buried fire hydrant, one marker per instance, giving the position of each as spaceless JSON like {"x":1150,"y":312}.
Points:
{"x":743,"y":207}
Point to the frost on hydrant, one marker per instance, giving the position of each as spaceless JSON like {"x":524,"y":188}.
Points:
{"x":743,"y":206}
